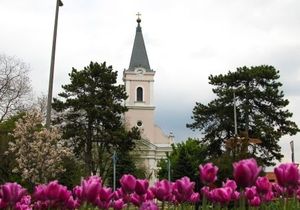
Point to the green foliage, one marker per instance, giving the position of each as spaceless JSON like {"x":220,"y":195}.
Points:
{"x":7,"y":160}
{"x":90,"y":112}
{"x":261,"y":113}
{"x":73,"y":172}
{"x":185,"y":159}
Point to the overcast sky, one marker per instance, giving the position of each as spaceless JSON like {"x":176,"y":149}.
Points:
{"x":186,"y":41}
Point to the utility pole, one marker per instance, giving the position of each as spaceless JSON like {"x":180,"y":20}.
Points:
{"x":50,"y":88}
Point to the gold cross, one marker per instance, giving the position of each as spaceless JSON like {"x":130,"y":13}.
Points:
{"x":138,"y":14}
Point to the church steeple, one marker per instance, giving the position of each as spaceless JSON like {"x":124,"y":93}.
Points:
{"x":139,"y":56}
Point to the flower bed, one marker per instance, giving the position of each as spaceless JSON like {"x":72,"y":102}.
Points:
{"x":246,"y":191}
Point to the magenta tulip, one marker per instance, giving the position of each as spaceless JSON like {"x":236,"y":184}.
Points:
{"x":118,"y":204}
{"x":149,"y":205}
{"x":12,"y":193}
{"x":137,"y":200}
{"x":263,"y":185}
{"x":251,"y":192}
{"x":128,"y":183}
{"x":141,"y":186}
{"x":235,"y":195}
{"x":267,"y":197}
{"x":52,"y":195}
{"x":195,"y":197}
{"x":90,"y":189}
{"x":221,"y":195}
{"x":205,"y":192}
{"x":162,"y":190}
{"x":230,"y":183}
{"x":245,"y":172}
{"x":277,"y":190}
{"x":183,"y":189}
{"x":105,"y":194}
{"x":2,"y":204}
{"x":287,"y":174}
{"x":256,"y":201}
{"x":208,"y":173}
{"x":118,"y":194}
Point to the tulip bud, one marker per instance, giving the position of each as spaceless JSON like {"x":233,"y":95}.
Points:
{"x":245,"y":172}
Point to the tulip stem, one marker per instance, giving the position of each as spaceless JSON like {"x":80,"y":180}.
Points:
{"x":163,"y":205}
{"x":204,"y":203}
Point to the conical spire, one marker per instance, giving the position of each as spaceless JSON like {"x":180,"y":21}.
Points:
{"x":139,"y":56}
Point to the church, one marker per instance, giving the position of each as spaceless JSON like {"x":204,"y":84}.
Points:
{"x":139,"y":81}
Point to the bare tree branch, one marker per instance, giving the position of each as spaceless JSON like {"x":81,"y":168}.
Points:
{"x":14,"y":85}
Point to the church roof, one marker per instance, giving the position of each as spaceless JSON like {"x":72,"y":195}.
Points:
{"x":139,"y":56}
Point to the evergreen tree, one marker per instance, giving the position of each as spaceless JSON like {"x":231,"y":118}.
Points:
{"x":261,"y":114}
{"x":185,"y":159}
{"x":90,"y":111}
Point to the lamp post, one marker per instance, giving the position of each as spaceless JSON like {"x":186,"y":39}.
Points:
{"x":114,"y":169}
{"x":169,"y":167}
{"x":234,"y":113}
{"x":50,"y":88}
{"x":292,"y":150}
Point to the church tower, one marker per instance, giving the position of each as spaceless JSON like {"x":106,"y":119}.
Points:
{"x":139,"y":81}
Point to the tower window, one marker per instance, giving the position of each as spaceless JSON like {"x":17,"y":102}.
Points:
{"x":139,"y":94}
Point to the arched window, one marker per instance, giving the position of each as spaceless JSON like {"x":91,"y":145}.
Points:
{"x":139,"y":94}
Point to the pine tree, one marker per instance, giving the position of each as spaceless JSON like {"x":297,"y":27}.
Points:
{"x":90,"y":111}
{"x":261,"y":113}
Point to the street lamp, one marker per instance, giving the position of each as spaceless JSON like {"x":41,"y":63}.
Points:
{"x":50,"y":88}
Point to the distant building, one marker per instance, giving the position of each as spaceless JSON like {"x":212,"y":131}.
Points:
{"x":139,"y":81}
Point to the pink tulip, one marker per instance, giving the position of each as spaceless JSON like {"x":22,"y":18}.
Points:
{"x":208,"y":173}
{"x":89,"y":189}
{"x":137,"y":200}
{"x":256,"y":201}
{"x":128,"y":183}
{"x":277,"y":190}
{"x":149,"y":195}
{"x":72,"y":203}
{"x":141,"y":186}
{"x":235,"y":196}
{"x":24,"y":203}
{"x":53,"y":195}
{"x":183,"y":189}
{"x":162,"y":190}
{"x":149,"y":205}
{"x":2,"y":204}
{"x":221,"y":195}
{"x":251,"y":192}
{"x":245,"y":172}
{"x":287,"y":174}
{"x":195,"y":197}
{"x":118,"y":204}
{"x":263,"y":184}
{"x":12,"y":193}
{"x":105,"y":194}
{"x":230,"y":183}
{"x":267,"y":197}
{"x":118,"y":194}
{"x":103,"y":204}
{"x":205,"y":192}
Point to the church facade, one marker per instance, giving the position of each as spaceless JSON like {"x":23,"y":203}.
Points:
{"x":139,"y":84}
